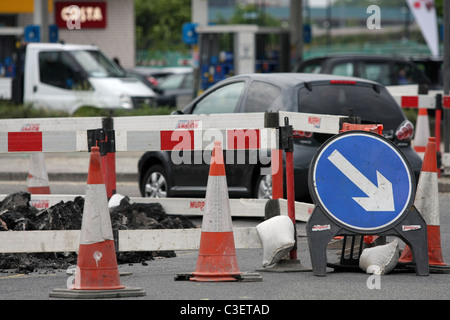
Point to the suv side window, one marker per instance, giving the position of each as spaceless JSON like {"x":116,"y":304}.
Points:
{"x":55,"y":69}
{"x":222,"y":100}
{"x":343,"y":69}
{"x":310,"y":67}
{"x":260,"y":96}
{"x":375,"y":71}
{"x":407,"y":74}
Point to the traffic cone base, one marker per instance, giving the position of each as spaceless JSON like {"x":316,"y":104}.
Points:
{"x":434,"y":249}
{"x":434,"y":246}
{"x":97,"y":267}
{"x":217,"y":260}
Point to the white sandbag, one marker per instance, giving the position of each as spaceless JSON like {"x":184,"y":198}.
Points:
{"x":380,"y":259}
{"x":277,"y":238}
{"x":115,"y":200}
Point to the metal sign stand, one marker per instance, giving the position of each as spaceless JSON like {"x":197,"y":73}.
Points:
{"x":339,"y":173}
{"x":286,"y":143}
{"x":318,"y":239}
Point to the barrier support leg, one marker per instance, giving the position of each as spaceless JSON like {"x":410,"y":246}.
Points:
{"x":109,"y":158}
{"x":437,"y":129}
{"x":271,"y":120}
{"x":277,"y":174}
{"x":104,"y":138}
{"x":287,"y":143}
{"x":291,"y":197}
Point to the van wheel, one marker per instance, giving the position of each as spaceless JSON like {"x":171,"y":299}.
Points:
{"x":155,"y":183}
{"x":263,"y":187}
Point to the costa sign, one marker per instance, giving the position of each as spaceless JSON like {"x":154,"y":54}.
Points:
{"x":80,"y":15}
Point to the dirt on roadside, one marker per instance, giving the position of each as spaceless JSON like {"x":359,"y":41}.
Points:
{"x":16,"y":214}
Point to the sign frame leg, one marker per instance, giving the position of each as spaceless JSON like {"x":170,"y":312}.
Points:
{"x":320,"y":230}
{"x":417,"y":239}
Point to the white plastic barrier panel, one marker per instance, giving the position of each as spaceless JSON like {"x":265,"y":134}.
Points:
{"x":129,"y":240}
{"x":158,"y":133}
{"x":419,"y":101}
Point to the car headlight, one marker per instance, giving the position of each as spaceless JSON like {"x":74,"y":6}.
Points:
{"x":126,"y":102}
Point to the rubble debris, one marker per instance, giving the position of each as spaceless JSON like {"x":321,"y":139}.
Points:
{"x":17,"y":214}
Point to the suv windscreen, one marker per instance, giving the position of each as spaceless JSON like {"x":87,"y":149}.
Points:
{"x":367,"y":103}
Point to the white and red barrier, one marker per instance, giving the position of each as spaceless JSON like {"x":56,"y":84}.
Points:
{"x":190,"y":132}
{"x":155,"y":133}
{"x":128,"y":240}
{"x":417,"y":102}
{"x":182,"y":132}
{"x":425,"y":103}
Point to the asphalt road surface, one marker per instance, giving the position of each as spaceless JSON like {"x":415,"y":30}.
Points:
{"x":277,"y":291}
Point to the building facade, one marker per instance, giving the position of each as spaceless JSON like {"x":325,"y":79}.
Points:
{"x":109,"y":24}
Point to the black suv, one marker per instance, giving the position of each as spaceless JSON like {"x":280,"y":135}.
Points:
{"x":386,"y":70}
{"x":297,"y":92}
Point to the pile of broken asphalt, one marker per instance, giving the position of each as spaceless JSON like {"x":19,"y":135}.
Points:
{"x":16,"y":214}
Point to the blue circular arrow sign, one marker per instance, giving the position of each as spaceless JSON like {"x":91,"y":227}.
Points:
{"x":361,"y":180}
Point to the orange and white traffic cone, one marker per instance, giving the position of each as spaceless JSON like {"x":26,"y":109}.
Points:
{"x":97,"y":273}
{"x":427,"y":203}
{"x":217,"y":253}
{"x":37,"y":175}
{"x":422,"y":132}
{"x":97,"y":264}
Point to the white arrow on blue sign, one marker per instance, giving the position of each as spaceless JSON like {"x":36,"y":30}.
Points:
{"x":362,"y":180}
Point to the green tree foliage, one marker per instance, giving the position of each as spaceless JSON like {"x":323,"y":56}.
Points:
{"x":159,"y":23}
{"x":439,"y":8}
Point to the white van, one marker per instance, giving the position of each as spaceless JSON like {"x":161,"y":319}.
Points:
{"x":68,"y":76}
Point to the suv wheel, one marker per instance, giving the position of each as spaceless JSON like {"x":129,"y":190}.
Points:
{"x":263,"y":187}
{"x":155,"y":183}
